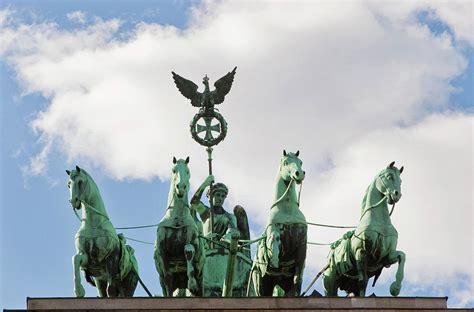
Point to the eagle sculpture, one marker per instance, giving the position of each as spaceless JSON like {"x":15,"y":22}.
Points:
{"x":208,"y":98}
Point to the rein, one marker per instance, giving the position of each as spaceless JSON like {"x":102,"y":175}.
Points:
{"x":385,"y":195}
{"x":91,"y":208}
{"x":279,"y":200}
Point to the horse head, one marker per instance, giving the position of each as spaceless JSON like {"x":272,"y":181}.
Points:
{"x":78,"y":186}
{"x":388,"y":183}
{"x":290,"y":167}
{"x":180,"y":177}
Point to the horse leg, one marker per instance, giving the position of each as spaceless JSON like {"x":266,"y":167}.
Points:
{"x":78,"y":260}
{"x":112,"y":272}
{"x":329,"y":283}
{"x":400,"y":257}
{"x":256,"y":279}
{"x":189,"y":253}
{"x":101,"y":287}
{"x":361,"y":262}
{"x":161,"y":263}
{"x":300,"y":258}
{"x":129,"y":284}
{"x":273,"y":243}
{"x":268,"y":285}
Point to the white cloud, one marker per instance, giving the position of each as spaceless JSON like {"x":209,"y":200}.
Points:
{"x":459,"y":16}
{"x":435,"y":214}
{"x":5,"y":15}
{"x":77,"y":17}
{"x":334,"y":80}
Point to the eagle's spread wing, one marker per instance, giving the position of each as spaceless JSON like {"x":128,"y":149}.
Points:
{"x":188,"y":89}
{"x":223,"y":86}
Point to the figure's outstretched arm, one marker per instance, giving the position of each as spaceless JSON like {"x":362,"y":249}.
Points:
{"x":196,"y":202}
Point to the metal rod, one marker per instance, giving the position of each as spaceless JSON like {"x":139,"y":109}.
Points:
{"x":211,"y":206}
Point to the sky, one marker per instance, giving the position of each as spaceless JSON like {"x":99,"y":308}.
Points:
{"x":353,"y":85}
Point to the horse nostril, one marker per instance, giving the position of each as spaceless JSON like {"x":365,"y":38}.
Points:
{"x":304,"y":172}
{"x":297,"y":173}
{"x":396,"y":193}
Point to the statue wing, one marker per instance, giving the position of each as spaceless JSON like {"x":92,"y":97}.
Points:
{"x":188,"y":89}
{"x":223,"y":86}
{"x":243,"y":226}
{"x":242,"y":222}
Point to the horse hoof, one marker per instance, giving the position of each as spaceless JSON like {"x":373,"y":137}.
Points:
{"x":395,"y":289}
{"x":192,"y":285}
{"x":79,"y":291}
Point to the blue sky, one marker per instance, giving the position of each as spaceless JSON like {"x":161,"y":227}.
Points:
{"x":342,"y":80}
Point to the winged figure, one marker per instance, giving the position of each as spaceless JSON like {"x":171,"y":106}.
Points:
{"x":208,"y":98}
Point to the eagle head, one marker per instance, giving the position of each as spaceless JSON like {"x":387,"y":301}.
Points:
{"x":205,"y":80}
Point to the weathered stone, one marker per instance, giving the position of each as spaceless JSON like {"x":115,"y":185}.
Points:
{"x":233,"y":304}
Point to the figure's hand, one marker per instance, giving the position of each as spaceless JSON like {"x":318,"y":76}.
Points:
{"x":209,"y":180}
{"x":213,"y":236}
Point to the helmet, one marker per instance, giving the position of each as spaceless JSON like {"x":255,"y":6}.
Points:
{"x":218,"y":187}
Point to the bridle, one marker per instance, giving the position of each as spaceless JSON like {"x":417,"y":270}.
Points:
{"x":86,"y":205}
{"x":385,"y":195}
{"x":279,"y":200}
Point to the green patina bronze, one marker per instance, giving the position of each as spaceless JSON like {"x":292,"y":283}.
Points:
{"x":206,"y":101}
{"x":281,"y":256}
{"x":227,"y":268}
{"x":179,"y":256}
{"x":107,"y":261}
{"x":227,"y":265}
{"x":364,"y":252}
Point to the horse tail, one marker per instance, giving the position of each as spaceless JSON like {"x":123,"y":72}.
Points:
{"x":89,"y":278}
{"x":143,"y":285}
{"x":315,"y":279}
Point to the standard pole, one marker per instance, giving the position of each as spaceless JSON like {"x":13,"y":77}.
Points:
{"x":229,"y":277}
{"x":211,"y":207}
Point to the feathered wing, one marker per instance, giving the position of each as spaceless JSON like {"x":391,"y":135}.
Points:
{"x":223,"y":86}
{"x":242,"y":225}
{"x":188,"y":89}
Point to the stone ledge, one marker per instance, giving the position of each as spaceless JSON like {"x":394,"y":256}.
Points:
{"x":236,"y":304}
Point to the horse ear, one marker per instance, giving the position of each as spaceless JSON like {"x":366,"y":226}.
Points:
{"x":174,"y":160}
{"x":78,"y":169}
{"x":401,"y":169}
{"x":68,"y":172}
{"x":391,"y":164}
{"x":297,"y":153}
{"x":284,"y":153}
{"x":187,"y":160}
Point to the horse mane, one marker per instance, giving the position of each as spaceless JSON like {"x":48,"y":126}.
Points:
{"x":365,"y":200}
{"x":90,"y":179}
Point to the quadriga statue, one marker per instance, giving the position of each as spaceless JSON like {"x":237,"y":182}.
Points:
{"x":281,"y":256}
{"x":179,"y":256}
{"x":225,"y":224}
{"x":364,"y":252}
{"x":107,"y":261}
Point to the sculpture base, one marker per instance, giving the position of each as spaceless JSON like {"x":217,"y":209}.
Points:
{"x":232,"y":304}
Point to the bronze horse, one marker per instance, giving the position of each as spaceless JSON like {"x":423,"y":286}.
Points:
{"x":179,"y":255}
{"x":281,"y":256}
{"x":108,"y":263}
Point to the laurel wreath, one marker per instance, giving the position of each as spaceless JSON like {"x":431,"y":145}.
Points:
{"x":213,"y":141}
